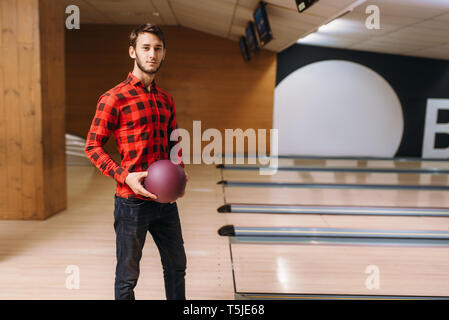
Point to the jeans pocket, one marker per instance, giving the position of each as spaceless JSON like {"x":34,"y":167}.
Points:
{"x":169,"y":208}
{"x":133,"y":202}
{"x":127,"y":209}
{"x":127,"y":214}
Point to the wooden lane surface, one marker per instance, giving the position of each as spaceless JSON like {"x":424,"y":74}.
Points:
{"x":338,"y":269}
{"x":35,"y":254}
{"x":338,"y":197}
{"x":338,"y":177}
{"x":331,"y":221}
{"x":341,"y":269}
{"x":360,"y":163}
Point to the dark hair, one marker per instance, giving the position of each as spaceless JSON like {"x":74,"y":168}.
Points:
{"x":147,"y":27}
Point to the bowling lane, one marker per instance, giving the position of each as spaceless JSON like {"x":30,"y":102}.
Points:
{"x":337,"y":177}
{"x":324,"y":269}
{"x":337,"y":197}
{"x":340,"y":221}
{"x":362,"y":163}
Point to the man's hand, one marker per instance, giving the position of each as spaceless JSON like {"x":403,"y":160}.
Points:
{"x":133,"y":180}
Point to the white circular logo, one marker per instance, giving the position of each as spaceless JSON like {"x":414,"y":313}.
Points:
{"x":337,"y":107}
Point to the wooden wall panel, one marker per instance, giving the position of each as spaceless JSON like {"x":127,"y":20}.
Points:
{"x":211,"y":82}
{"x":52,"y":32}
{"x":205,"y":74}
{"x":37,"y":139}
{"x":11,"y":98}
{"x":27,"y":121}
{"x":3,"y":181}
{"x":32,"y":109}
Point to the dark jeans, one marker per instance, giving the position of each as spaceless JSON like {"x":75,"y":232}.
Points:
{"x":132,"y":219}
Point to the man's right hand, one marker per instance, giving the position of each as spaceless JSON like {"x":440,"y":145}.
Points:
{"x":133,"y":180}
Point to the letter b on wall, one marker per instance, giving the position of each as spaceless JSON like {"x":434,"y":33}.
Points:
{"x":436,"y":129}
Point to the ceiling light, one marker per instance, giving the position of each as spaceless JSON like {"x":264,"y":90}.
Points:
{"x":310,"y":38}
{"x":336,"y":25}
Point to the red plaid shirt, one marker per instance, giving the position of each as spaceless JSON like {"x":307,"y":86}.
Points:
{"x":141,"y":122}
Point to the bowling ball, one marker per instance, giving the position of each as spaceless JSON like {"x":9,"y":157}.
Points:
{"x":166,"y":180}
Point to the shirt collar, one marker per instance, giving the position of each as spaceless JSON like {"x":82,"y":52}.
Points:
{"x":132,"y":79}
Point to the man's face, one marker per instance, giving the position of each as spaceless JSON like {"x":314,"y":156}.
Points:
{"x":149,"y":52}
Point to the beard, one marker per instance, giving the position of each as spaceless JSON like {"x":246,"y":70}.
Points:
{"x":149,"y":70}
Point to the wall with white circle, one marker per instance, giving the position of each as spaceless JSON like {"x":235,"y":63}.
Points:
{"x":337,"y":107}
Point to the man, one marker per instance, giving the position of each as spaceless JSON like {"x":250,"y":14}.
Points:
{"x":141,"y":117}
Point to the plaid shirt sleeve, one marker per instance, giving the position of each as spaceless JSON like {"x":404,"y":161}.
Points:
{"x":172,"y":125}
{"x":103,"y":124}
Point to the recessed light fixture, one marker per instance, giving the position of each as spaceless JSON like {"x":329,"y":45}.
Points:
{"x":335,"y":25}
